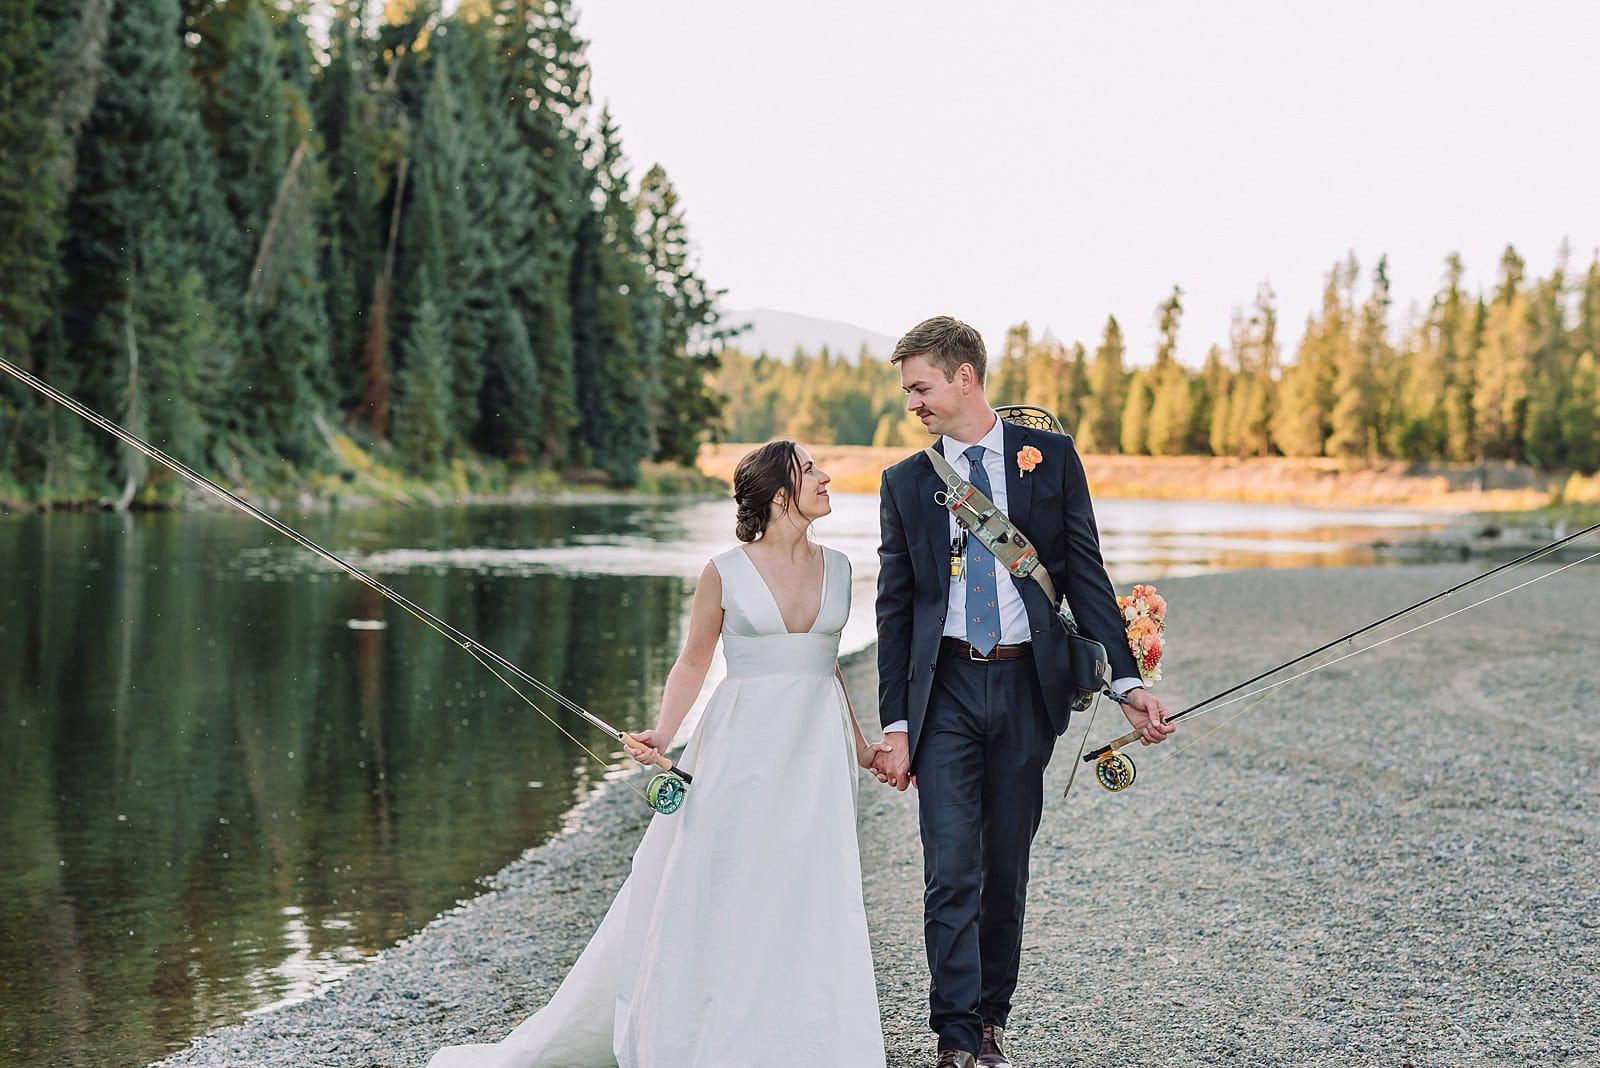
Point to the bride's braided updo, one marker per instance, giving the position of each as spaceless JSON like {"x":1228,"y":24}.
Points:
{"x":761,"y":475}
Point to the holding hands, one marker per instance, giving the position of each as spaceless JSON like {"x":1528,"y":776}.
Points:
{"x":867,"y":755}
{"x":892,"y":761}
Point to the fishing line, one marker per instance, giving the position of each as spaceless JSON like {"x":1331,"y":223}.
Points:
{"x":1115,"y":770}
{"x":664,"y":793}
{"x":1267,"y":690}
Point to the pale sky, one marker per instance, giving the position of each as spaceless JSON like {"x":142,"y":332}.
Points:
{"x":879,"y":162}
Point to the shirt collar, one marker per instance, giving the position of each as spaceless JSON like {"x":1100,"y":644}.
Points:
{"x":994,"y":441}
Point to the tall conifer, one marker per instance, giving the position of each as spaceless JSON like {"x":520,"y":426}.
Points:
{"x":1100,"y":428}
{"x":1499,"y":400}
{"x":136,"y":316}
{"x":274,"y":189}
{"x":1171,"y":405}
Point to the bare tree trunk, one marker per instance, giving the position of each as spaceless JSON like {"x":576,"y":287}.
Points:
{"x":132,"y":460}
{"x":375,"y":373}
{"x":278,"y":206}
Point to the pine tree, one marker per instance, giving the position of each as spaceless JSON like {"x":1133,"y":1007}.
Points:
{"x":1209,"y":428}
{"x":1254,"y":353}
{"x":1435,"y":405}
{"x":1499,"y":399}
{"x":1551,"y":366}
{"x":608,"y":277}
{"x":1134,"y":433}
{"x":1100,"y":428}
{"x":1586,"y":331}
{"x":424,"y":405}
{"x":1580,"y":418}
{"x":447,"y":236}
{"x":274,"y":190}
{"x":549,"y":87}
{"x":136,"y":318}
{"x":1008,"y":376}
{"x":1300,"y":426}
{"x":689,"y":323}
{"x":1075,"y":390}
{"x":30,"y":198}
{"x":1353,"y":429}
{"x":1171,"y":404}
{"x":361,"y":146}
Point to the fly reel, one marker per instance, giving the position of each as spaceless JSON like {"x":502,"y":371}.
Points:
{"x":665,"y":793}
{"x":1115,"y":771}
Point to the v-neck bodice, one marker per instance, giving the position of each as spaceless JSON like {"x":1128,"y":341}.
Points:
{"x":755,"y":639}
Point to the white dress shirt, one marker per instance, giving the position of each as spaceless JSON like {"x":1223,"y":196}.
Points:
{"x":1014,"y":626}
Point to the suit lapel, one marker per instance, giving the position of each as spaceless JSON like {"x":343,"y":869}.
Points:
{"x":1019,"y":488}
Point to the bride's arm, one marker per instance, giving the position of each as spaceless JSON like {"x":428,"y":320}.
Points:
{"x":864,"y":752}
{"x":688,"y":673}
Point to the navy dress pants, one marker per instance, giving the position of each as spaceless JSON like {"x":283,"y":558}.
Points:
{"x":980,"y":763}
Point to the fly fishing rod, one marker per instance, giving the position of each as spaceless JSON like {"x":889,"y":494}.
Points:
{"x":1115,"y":770}
{"x":665,"y":791}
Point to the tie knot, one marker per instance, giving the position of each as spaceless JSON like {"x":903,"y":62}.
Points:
{"x":974,"y":454}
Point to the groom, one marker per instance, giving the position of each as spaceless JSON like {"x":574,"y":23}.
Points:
{"x":973,"y":679}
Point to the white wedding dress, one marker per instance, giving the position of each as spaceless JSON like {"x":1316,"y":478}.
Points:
{"x":739,"y":938}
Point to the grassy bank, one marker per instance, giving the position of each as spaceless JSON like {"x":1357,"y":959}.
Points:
{"x":1277,"y":480}
{"x":358,"y":475}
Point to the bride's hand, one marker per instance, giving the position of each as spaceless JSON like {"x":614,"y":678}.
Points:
{"x":645,"y":746}
{"x":866,"y":753}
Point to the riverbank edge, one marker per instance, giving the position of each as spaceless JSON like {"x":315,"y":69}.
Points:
{"x":1287,"y":894}
{"x":472,"y":969}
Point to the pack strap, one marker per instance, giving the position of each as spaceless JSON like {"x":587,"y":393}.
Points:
{"x":981,"y":517}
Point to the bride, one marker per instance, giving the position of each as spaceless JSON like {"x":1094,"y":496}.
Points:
{"x":739,"y":938}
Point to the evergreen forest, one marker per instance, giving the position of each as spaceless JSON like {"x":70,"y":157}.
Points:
{"x":1506,"y":375}
{"x":258,"y":232}
{"x":273,"y":235}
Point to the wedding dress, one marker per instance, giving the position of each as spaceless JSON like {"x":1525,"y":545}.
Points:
{"x":739,"y":938}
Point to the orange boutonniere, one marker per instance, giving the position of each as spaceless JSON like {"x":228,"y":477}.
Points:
{"x":1028,"y":458}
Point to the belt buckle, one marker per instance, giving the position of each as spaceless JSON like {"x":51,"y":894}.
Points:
{"x":977,"y":657}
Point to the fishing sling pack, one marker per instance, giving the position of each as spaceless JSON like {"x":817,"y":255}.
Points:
{"x":981,"y":518}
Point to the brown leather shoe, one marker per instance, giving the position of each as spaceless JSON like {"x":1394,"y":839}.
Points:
{"x":990,"y":1055}
{"x":956,"y":1058}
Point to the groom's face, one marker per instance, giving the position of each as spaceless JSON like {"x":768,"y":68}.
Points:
{"x":930,"y":396}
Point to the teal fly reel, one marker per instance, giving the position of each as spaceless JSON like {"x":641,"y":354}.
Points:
{"x":665,"y":793}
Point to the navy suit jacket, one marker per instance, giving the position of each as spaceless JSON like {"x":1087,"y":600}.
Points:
{"x":1051,"y":505}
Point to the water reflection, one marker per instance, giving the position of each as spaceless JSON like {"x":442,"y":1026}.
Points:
{"x":217,"y":794}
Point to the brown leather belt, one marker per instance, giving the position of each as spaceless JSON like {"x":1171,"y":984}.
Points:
{"x":957,"y":647}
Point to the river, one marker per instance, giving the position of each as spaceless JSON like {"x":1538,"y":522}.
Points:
{"x":230,"y":773}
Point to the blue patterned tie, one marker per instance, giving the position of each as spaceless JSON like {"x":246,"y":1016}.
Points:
{"x":983,"y":598}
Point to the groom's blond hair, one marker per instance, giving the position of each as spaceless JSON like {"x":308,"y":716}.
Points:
{"x":946,"y":343}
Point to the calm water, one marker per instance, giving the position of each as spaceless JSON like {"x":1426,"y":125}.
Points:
{"x":217,"y":795}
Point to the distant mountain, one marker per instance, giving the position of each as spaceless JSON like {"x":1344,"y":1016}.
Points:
{"x":778,"y":334}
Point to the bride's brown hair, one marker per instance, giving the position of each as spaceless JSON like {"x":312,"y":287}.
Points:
{"x":760,"y":476}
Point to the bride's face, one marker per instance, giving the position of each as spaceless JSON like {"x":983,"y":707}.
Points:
{"x":811,"y":494}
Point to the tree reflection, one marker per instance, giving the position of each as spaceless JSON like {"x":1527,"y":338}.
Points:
{"x":217,"y":794}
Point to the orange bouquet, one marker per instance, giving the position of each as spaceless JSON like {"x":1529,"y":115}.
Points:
{"x":1145,"y":613}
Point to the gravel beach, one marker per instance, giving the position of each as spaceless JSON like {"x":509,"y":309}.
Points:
{"x":1394,"y":861}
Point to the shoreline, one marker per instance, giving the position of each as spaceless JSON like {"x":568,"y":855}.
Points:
{"x":1385,"y":864}
{"x":1448,"y":488}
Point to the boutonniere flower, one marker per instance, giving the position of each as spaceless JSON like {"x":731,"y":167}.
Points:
{"x":1145,"y":612}
{"x":1028,"y":458}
